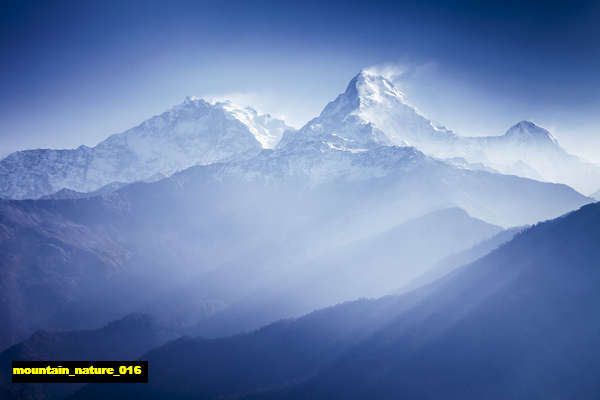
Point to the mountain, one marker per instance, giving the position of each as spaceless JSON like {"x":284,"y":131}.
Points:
{"x":370,"y":113}
{"x":596,"y":195}
{"x":191,"y":133}
{"x":219,"y":229}
{"x":47,"y":263}
{"x":517,"y":323}
{"x":460,"y":258}
{"x":60,"y":257}
{"x":313,"y":160}
{"x":124,"y":339}
{"x":373,"y":112}
{"x":530,"y":151}
{"x":305,"y":197}
{"x":283,"y":352}
{"x":65,"y":194}
{"x":368,"y":267}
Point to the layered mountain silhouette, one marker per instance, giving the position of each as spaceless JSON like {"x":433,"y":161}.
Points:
{"x":65,"y":254}
{"x":517,"y":323}
{"x":215,"y":220}
{"x":339,"y":180}
{"x":124,"y":339}
{"x":68,"y":194}
{"x":369,"y":267}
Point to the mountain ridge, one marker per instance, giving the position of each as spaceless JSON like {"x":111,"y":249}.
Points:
{"x":123,"y":339}
{"x":372,"y":112}
{"x":190,"y":133}
{"x":494,"y":328}
{"x":77,"y":248}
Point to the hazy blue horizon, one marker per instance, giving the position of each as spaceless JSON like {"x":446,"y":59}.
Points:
{"x":74,"y":73}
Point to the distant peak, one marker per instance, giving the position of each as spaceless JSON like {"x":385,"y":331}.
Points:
{"x":527,"y":131}
{"x":527,"y":125}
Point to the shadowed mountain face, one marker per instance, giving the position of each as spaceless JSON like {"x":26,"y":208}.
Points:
{"x":124,"y":339}
{"x":517,"y":323}
{"x":281,"y":353}
{"x":47,"y":262}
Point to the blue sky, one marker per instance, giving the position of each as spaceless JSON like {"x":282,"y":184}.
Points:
{"x":74,"y":72}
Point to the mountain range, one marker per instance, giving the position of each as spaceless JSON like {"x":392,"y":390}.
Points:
{"x":369,"y":267}
{"x":194,"y":132}
{"x":209,"y":223}
{"x":476,"y":278}
{"x":334,"y":188}
{"x":516,"y":323}
{"x":124,"y":339}
{"x":371,"y":113}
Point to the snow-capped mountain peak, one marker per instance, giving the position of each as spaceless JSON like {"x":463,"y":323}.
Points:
{"x":190,"y":133}
{"x":371,"y":112}
{"x":265,"y":128}
{"x":530,"y":133}
{"x":374,"y":88}
{"x":364,"y":90}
